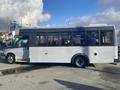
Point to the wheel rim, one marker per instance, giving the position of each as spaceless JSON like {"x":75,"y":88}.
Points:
{"x":10,"y":59}
{"x":79,"y":62}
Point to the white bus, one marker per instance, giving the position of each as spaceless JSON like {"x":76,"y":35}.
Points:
{"x":79,"y":46}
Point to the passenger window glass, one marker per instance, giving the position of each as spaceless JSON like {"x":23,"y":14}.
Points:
{"x":92,"y":38}
{"x":78,"y":38}
{"x":24,"y":42}
{"x":53,"y":39}
{"x":49,"y":39}
{"x":107,"y":38}
{"x":42,"y":40}
{"x":21,"y":42}
{"x":65,"y":39}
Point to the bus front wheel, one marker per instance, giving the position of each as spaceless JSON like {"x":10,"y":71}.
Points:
{"x":10,"y":58}
{"x":80,"y":62}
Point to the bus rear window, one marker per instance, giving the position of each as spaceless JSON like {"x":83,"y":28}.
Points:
{"x":107,"y":38}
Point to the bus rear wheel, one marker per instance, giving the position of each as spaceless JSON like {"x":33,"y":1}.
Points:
{"x":10,"y":58}
{"x":80,"y":62}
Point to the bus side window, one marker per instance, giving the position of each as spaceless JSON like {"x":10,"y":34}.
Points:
{"x":22,"y":42}
{"x":93,"y":38}
{"x":53,"y":39}
{"x":65,"y":39}
{"x":107,"y":38}
{"x":78,"y":38}
{"x":41,"y":40}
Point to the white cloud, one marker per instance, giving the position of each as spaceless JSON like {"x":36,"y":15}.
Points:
{"x":27,"y":11}
{"x":110,"y":16}
{"x":110,"y":4}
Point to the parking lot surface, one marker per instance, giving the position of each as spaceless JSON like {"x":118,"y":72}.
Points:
{"x":59,"y":77}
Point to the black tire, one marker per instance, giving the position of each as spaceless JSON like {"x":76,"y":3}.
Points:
{"x":10,"y":58}
{"x":80,"y":61}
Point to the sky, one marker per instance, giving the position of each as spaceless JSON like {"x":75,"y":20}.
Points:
{"x":81,"y":12}
{"x":53,"y":13}
{"x":61,"y":10}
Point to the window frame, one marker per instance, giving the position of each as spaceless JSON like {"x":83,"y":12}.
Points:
{"x":54,"y":34}
{"x":21,"y":38}
{"x":70,"y":34}
{"x":113,"y":38}
{"x":65,"y":33}
{"x":38,"y":39}
{"x":80,"y":33}
{"x":86,"y":39}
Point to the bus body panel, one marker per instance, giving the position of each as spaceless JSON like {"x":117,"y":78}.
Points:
{"x":65,"y":54}
{"x":20,"y":53}
{"x":79,"y":40}
{"x":116,"y":52}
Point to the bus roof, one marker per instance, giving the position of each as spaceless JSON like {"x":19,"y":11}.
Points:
{"x":27,"y":30}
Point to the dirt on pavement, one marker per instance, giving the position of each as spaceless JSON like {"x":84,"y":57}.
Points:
{"x":59,"y":77}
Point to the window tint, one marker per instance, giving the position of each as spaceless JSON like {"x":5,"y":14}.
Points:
{"x":42,"y":39}
{"x":48,"y":39}
{"x":92,"y":38}
{"x":65,"y":39}
{"x":78,"y":38}
{"x":107,"y":38}
{"x":53,"y":39}
{"x":21,"y":42}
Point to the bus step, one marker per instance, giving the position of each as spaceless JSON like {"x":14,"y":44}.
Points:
{"x":24,"y":61}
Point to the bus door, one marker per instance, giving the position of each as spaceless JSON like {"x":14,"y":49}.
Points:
{"x":22,"y":52}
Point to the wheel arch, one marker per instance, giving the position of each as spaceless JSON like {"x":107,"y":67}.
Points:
{"x":80,"y":55}
{"x":10,"y":53}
